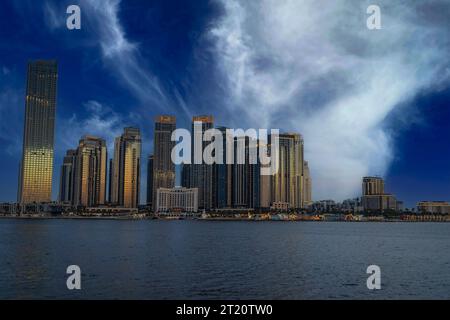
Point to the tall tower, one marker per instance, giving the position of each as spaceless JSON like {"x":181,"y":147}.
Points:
{"x":201,"y":174}
{"x":223,"y":174}
{"x":307,"y":185}
{"x":287,"y":183}
{"x":66,"y":177}
{"x":149,"y":180}
{"x":89,"y":185}
{"x":163,"y":166}
{"x":246,"y":173}
{"x":126,"y":169}
{"x":35,"y":180}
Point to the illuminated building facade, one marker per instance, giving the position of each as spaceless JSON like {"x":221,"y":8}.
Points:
{"x":89,"y":185}
{"x":126,"y":169}
{"x":35,"y":179}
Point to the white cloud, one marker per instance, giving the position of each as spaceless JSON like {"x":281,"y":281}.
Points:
{"x":314,"y":67}
{"x":123,"y":57}
{"x":101,"y":121}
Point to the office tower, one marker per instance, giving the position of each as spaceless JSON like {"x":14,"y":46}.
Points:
{"x":89,"y":185}
{"x":36,"y":169}
{"x":265,"y":185}
{"x":110,"y":174}
{"x":287,"y":182}
{"x":202,"y":174}
{"x":163,"y":166}
{"x":66,"y":177}
{"x":149,"y":180}
{"x":307,"y":185}
{"x":372,"y":186}
{"x":246,"y":173}
{"x":126,"y":169}
{"x":223,"y":173}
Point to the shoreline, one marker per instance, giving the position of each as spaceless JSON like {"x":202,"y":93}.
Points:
{"x":209,"y":219}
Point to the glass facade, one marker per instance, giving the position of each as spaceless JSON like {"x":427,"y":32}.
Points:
{"x":35,"y":180}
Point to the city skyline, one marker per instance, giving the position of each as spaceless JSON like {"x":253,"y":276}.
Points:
{"x":378,"y":125}
{"x":118,"y":181}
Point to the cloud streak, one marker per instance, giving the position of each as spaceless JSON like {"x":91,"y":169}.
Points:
{"x":315,"y":68}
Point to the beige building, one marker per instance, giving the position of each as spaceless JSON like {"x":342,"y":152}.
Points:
{"x":177,"y":199}
{"x":374,"y":198}
{"x":36,"y":168}
{"x":126,"y":168}
{"x":89,"y":183}
{"x":307,"y":185}
{"x":372,"y":186}
{"x":438,"y":207}
{"x":287,"y":185}
{"x":379,"y":202}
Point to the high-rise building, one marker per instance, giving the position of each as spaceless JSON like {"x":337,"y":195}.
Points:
{"x":202,"y":174}
{"x":307,"y":185}
{"x":287,"y":182}
{"x":163,"y":166}
{"x":149,"y":180}
{"x":223,"y":173}
{"x":36,"y":169}
{"x":246,"y":173}
{"x":126,"y":167}
{"x":66,"y":177}
{"x":89,"y":183}
{"x":265,"y":188}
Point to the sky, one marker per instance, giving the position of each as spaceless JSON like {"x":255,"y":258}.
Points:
{"x":367,"y":102}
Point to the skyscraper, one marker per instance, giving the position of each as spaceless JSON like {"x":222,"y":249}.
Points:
{"x":66,"y":177}
{"x":287,"y":182}
{"x":149,"y":180}
{"x":89,"y":185}
{"x":246,"y":173}
{"x":307,"y":185}
{"x":163,"y":166}
{"x":126,"y":169}
{"x":202,"y":174}
{"x":35,"y":179}
{"x":223,"y":173}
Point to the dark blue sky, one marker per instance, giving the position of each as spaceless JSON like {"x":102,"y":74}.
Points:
{"x":132,"y":60}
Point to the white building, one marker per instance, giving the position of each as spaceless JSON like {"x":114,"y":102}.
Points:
{"x":177,"y":199}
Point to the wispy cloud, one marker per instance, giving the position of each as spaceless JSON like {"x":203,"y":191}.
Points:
{"x":101,"y":121}
{"x":54,"y":16}
{"x":123,"y":56}
{"x":317,"y":69}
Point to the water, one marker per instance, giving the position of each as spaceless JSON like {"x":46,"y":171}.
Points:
{"x":150,"y":259}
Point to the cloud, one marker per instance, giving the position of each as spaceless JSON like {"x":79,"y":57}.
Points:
{"x":315,"y":68}
{"x":101,"y":121}
{"x":54,"y":17}
{"x":123,"y":57}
